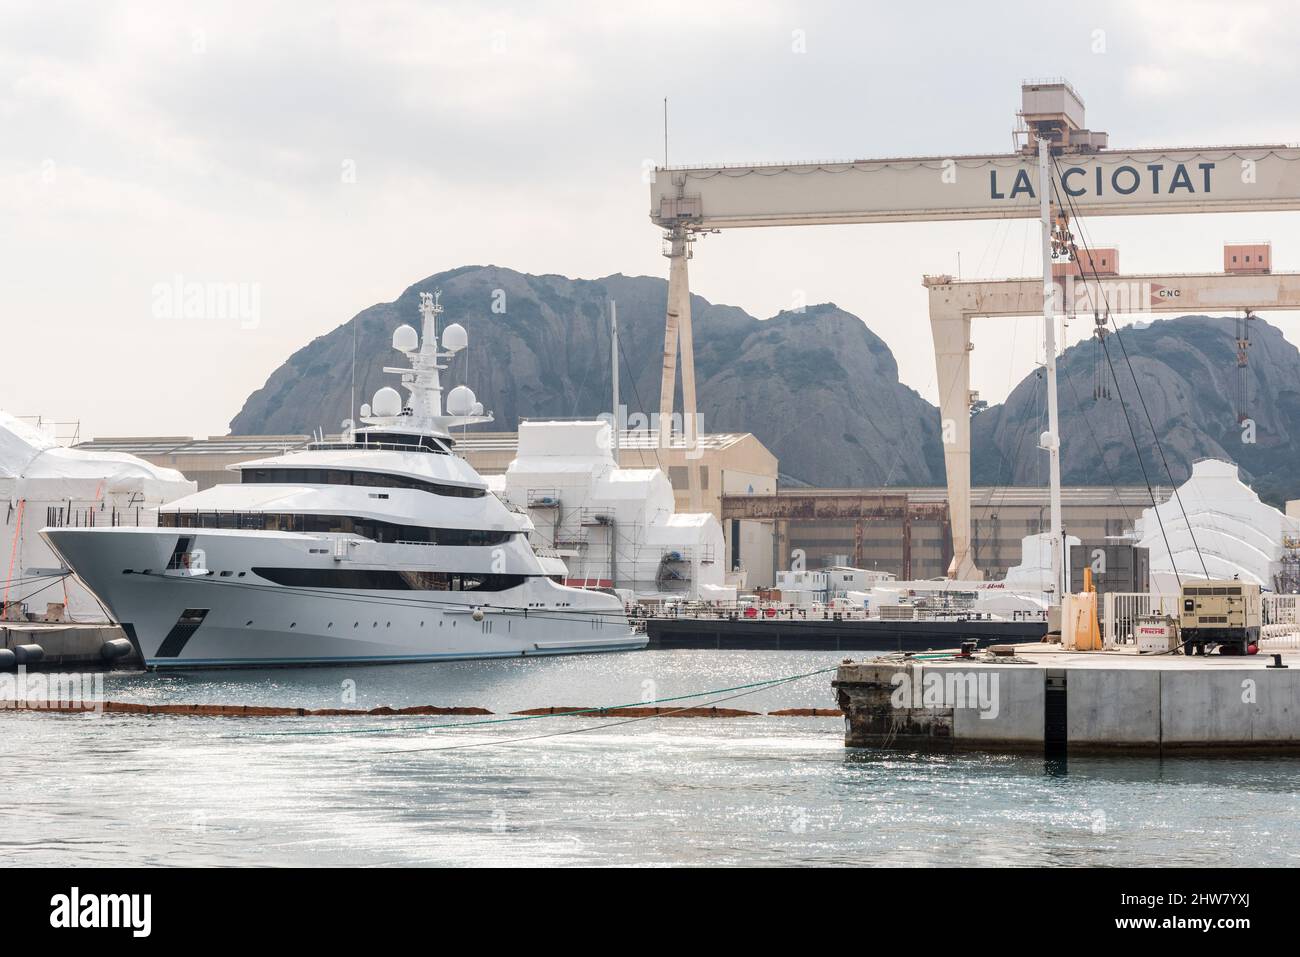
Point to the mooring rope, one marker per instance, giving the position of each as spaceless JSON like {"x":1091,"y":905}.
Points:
{"x":750,"y":688}
{"x":595,"y":727}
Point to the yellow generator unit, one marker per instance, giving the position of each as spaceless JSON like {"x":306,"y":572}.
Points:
{"x":1223,"y":613}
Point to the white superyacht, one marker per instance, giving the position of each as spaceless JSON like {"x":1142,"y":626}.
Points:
{"x":385,"y":547}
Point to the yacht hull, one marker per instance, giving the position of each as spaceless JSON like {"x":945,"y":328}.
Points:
{"x":217,"y":617}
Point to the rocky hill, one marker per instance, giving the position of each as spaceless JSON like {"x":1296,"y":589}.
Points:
{"x":817,"y":387}
{"x":1187,"y":369}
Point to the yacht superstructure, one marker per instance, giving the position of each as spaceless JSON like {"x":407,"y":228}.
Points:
{"x":383,"y":547}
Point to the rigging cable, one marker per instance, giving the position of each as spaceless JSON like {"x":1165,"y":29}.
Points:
{"x":596,"y":727}
{"x":1138,"y":388}
{"x":1124,"y":408}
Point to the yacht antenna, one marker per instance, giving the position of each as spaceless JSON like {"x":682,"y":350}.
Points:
{"x":423,"y":410}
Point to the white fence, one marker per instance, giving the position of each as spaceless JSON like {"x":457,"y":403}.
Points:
{"x":1280,"y":609}
{"x":1121,"y":610}
{"x":1281,"y":627}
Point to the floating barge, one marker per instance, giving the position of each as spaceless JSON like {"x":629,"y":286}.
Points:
{"x":1046,"y":700}
{"x":849,"y":634}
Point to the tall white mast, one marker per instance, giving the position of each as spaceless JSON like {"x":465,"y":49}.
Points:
{"x":425,"y":362}
{"x":1051,"y":439}
{"x":424,"y":408}
{"x":613,"y":360}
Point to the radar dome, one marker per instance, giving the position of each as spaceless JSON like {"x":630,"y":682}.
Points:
{"x":386,"y":402}
{"x":460,"y":401}
{"x":365,"y":410}
{"x":478,"y":408}
{"x":454,"y":337}
{"x":406,"y":339}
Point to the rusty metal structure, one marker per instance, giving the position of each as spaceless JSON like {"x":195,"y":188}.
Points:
{"x":814,"y":505}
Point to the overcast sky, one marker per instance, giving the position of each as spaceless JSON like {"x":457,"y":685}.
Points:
{"x":324,"y":156}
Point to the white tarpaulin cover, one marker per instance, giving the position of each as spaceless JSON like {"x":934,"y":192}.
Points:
{"x":611,"y":523}
{"x":40,"y":478}
{"x":1238,"y":535}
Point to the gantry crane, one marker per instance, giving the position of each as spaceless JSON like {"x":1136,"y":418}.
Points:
{"x":686,"y":201}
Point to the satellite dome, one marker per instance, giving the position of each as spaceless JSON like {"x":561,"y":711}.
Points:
{"x":406,"y":339}
{"x":365,"y":410}
{"x":478,"y":408}
{"x":386,"y":402}
{"x":454,"y":337}
{"x":460,"y":401}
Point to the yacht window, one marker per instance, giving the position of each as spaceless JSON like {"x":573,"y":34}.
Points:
{"x":373,"y":529}
{"x":426,"y":443}
{"x":306,"y":476}
{"x":384,"y":579}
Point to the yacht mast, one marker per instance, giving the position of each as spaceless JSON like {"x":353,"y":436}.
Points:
{"x":425,"y":362}
{"x":424,"y":407}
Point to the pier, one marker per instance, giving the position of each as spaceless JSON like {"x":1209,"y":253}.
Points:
{"x":1041,"y":698}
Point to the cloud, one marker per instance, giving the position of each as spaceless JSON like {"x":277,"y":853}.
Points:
{"x":1206,"y":52}
{"x":210,"y":139}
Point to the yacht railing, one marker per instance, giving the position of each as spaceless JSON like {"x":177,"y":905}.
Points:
{"x":372,"y":446}
{"x":72,"y":515}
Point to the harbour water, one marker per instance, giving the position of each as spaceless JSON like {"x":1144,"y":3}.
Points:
{"x":104,"y":790}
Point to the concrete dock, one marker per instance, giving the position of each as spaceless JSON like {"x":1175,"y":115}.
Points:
{"x":1045,"y":699}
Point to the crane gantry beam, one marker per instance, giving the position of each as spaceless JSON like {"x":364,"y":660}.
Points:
{"x":953,"y":304}
{"x":1002,"y":186}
